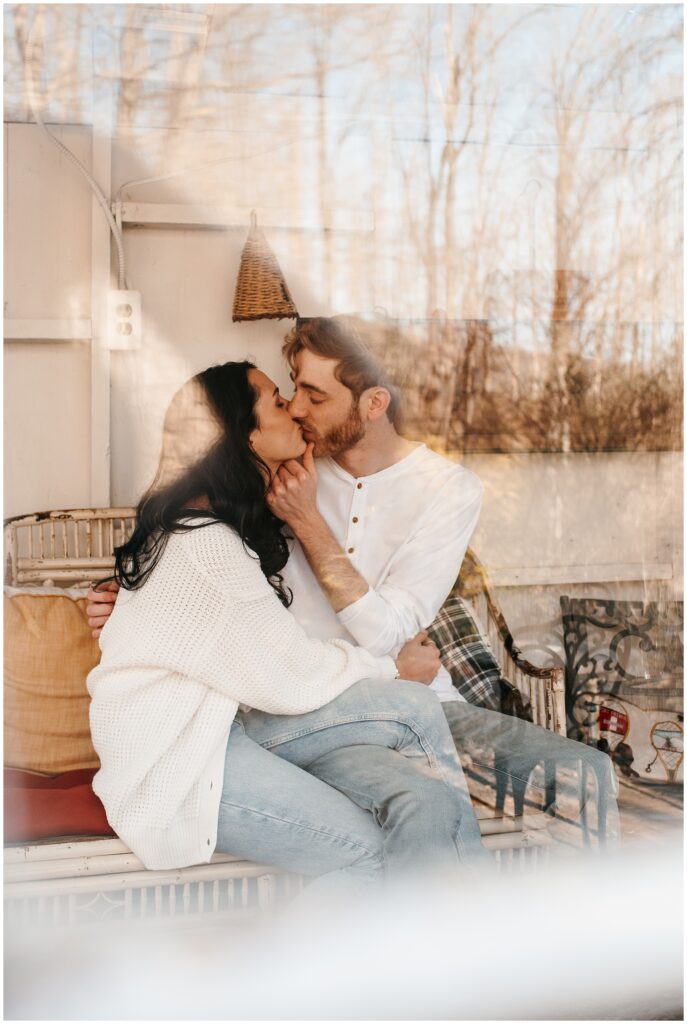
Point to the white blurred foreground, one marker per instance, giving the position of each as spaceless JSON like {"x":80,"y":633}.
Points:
{"x":589,"y":939}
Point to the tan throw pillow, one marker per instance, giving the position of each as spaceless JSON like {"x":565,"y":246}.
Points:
{"x":49,"y":651}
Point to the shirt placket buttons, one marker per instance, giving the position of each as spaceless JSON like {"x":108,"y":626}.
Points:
{"x":355,"y":519}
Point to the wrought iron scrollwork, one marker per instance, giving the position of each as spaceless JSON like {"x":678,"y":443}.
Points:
{"x":628,"y":649}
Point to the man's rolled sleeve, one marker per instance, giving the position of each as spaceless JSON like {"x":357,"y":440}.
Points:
{"x":377,"y":622}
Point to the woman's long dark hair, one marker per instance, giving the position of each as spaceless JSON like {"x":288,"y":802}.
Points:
{"x":229,"y":474}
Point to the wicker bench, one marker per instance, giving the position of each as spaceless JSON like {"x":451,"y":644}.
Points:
{"x":86,"y":878}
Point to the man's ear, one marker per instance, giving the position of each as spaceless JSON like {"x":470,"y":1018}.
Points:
{"x":374,"y":403}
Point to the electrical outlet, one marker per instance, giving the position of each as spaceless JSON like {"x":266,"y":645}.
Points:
{"x":124,"y":319}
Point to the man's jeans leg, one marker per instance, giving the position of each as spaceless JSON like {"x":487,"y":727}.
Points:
{"x":275,"y":813}
{"x":406,"y":718}
{"x":512,"y":748}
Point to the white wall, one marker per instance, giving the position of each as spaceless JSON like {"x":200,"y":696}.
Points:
{"x":47,"y":270}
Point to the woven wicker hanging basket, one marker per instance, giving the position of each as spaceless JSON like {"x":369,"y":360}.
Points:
{"x":261,"y":291}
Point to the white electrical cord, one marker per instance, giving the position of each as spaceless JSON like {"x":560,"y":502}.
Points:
{"x":31,"y":76}
{"x":203,"y":167}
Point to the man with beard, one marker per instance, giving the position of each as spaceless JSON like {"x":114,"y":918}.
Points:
{"x":380,"y":528}
{"x":382,"y":524}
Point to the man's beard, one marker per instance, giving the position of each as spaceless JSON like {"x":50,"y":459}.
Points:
{"x":343,"y":437}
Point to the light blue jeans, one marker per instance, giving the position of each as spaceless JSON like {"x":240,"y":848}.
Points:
{"x":368,"y":784}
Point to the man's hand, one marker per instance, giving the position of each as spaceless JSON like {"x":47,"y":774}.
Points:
{"x":100,"y":605}
{"x":292,"y":494}
{"x":418,"y":659}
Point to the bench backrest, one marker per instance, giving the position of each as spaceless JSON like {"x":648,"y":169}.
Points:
{"x":64,"y":547}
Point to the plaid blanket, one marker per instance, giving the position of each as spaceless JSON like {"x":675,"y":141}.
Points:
{"x":470,"y":661}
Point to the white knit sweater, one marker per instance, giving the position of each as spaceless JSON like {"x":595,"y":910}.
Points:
{"x":204,"y":633}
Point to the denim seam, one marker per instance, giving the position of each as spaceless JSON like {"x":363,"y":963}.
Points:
{"x":409,"y":723}
{"x":350,"y":792}
{"x":298,"y":824}
{"x":457,"y":837}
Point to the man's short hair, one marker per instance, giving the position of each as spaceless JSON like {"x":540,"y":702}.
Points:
{"x":358,"y":366}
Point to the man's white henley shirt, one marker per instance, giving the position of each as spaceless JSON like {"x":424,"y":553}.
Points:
{"x":406,"y":530}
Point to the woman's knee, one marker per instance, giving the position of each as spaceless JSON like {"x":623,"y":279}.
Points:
{"x":419,"y":709}
{"x":415,"y":699}
{"x":369,"y":864}
{"x":425,"y":799}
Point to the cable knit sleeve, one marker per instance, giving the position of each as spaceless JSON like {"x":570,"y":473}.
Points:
{"x":259,"y":655}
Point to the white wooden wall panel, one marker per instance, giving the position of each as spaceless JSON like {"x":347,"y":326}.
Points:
{"x":101,"y":282}
{"x":47,"y":426}
{"x":47,"y":281}
{"x":47,"y":225}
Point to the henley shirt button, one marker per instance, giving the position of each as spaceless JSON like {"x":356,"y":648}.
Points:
{"x":351,"y":550}
{"x":355,"y":519}
{"x":359,"y":486}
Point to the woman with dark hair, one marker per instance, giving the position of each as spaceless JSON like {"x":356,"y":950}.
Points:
{"x":201,"y":628}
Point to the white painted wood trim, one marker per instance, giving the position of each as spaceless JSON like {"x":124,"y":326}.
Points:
{"x":523,"y":840}
{"x":25,"y":565}
{"x":100,"y":285}
{"x":502,"y":825}
{"x":81,"y":849}
{"x":47,"y":330}
{"x":554,"y":574}
{"x":55,"y":850}
{"x":182,"y":215}
{"x":76,"y":867}
{"x":135,"y":879}
{"x":73,"y":867}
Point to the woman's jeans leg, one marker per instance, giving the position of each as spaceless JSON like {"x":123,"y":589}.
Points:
{"x":422,"y":801}
{"x":275,"y":813}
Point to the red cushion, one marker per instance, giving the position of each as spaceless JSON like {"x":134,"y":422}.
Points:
{"x":45,"y":807}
